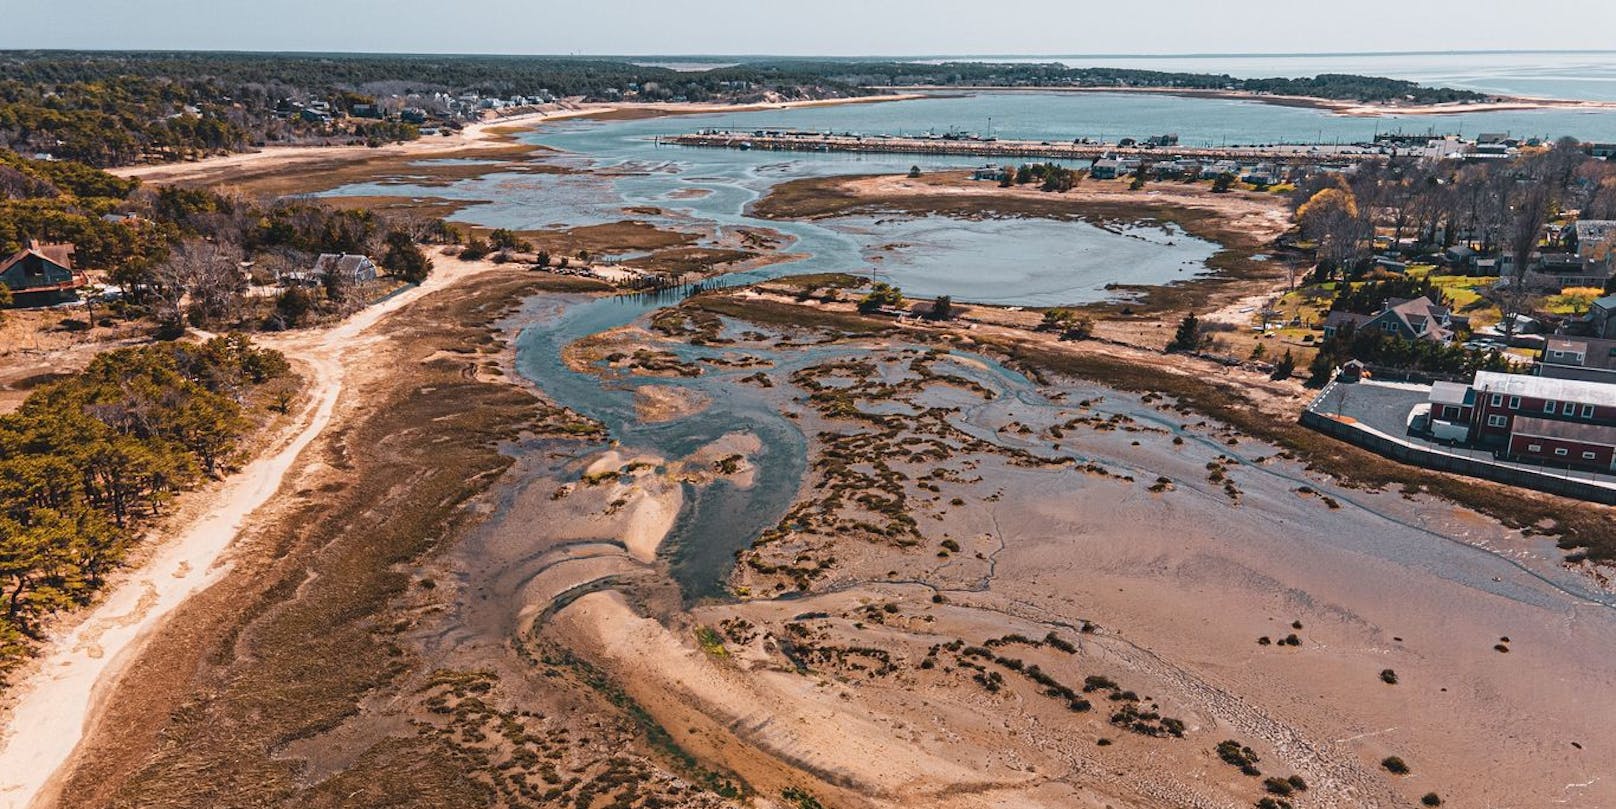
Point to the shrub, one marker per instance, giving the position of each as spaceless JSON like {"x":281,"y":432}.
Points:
{"x":1388,"y":676}
{"x":475,"y":249}
{"x":1431,"y":799}
{"x":1278,"y":786}
{"x":1394,"y":765}
{"x":882,"y":295}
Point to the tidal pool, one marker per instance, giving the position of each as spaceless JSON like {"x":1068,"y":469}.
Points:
{"x":1022,"y":262}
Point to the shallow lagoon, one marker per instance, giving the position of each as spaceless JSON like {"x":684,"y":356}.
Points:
{"x":1022,"y":262}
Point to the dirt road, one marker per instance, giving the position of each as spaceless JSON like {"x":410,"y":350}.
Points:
{"x":54,"y":706}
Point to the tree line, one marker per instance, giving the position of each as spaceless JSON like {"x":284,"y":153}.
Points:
{"x":1335,"y":86}
{"x":87,"y":461}
{"x":117,"y":108}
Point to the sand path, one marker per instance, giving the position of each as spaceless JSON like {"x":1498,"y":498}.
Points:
{"x":54,"y":706}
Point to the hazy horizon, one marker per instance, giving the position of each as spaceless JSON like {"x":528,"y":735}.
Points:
{"x":840,"y":28}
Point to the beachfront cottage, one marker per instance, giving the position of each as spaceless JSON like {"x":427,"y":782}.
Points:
{"x":41,"y":275}
{"x":1106,"y":168}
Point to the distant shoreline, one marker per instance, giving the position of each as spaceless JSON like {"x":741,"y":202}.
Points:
{"x":1352,"y":109}
{"x":491,"y":132}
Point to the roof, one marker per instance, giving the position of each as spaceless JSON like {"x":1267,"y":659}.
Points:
{"x":1598,"y":352}
{"x":1338,"y":319}
{"x":1421,"y":316}
{"x":1452,"y":393}
{"x":1539,"y":387}
{"x":1579,"y":431}
{"x":1563,"y":345}
{"x":1607,"y":303}
{"x":348,"y":263}
{"x":59,"y":254}
{"x":1593,"y":228}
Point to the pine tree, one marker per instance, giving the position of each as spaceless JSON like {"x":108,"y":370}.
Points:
{"x":1285,"y":367}
{"x":1188,"y":336}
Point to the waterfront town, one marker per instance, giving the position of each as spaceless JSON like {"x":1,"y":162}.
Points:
{"x":756,"y":433}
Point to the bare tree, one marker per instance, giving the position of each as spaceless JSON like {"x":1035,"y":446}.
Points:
{"x":200,"y":281}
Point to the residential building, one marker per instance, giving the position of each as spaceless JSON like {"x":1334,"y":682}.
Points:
{"x":1570,"y":357}
{"x":1107,"y":168}
{"x":1590,"y":237}
{"x":354,"y":267}
{"x":41,"y":275}
{"x":1561,"y":422}
{"x":1601,"y":319}
{"x":1417,"y":319}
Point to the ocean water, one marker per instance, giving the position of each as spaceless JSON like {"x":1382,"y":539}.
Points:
{"x":1586,"y":75}
{"x":1111,"y":116}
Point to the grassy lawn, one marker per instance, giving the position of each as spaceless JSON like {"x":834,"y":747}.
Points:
{"x":1464,"y":294}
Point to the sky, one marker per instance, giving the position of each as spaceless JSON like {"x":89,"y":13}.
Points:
{"x":817,"y":27}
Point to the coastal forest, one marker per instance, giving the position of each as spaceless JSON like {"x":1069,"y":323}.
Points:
{"x":90,"y":460}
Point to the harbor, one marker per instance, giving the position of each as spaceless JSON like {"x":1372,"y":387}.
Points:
{"x":1152,"y":148}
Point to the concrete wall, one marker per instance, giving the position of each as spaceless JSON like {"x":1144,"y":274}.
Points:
{"x":1443,"y":462}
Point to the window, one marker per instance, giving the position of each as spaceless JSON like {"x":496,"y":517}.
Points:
{"x":1588,"y":456}
{"x":1587,"y":411}
{"x":1570,"y":409}
{"x":1548,"y":407}
{"x":1560,"y":451}
{"x":1496,"y":421}
{"x":1534,"y":447}
{"x":1514,"y":403}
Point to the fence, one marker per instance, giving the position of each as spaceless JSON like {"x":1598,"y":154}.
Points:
{"x":1443,"y":462}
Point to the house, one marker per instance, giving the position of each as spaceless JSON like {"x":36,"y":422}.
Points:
{"x":1162,"y":141}
{"x":1563,"y":422}
{"x":1107,"y":168}
{"x":1556,"y":271}
{"x":1167,"y":170}
{"x":993,"y":173}
{"x":1417,"y":319}
{"x":1590,"y":237}
{"x":1264,"y":174}
{"x":1460,"y":257}
{"x":350,"y":265}
{"x":1601,"y":319}
{"x":41,"y":275}
{"x":1568,"y":357}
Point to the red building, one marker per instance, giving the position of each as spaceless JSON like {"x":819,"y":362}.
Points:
{"x":1559,"y":422}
